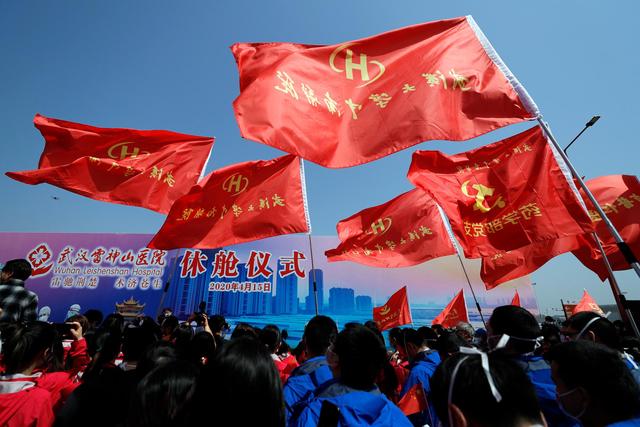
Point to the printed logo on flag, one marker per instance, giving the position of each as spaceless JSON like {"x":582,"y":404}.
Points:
{"x":124,"y":151}
{"x":482,"y":191}
{"x":385,"y":310}
{"x":381,"y":226}
{"x":361,"y":64}
{"x":235,"y":184}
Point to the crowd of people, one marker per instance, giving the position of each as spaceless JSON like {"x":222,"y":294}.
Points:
{"x":108,"y":371}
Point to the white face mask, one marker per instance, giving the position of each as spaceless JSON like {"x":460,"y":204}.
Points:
{"x":564,"y":410}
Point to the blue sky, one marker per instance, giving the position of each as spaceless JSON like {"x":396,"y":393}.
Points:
{"x":160,"y":64}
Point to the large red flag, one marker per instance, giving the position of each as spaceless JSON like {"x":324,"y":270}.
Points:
{"x":239,"y":203}
{"x":505,"y":195}
{"x":453,"y":313}
{"x":413,"y":401}
{"x":404,"y":231}
{"x":395,"y":312}
{"x":350,"y":103}
{"x":619,"y":196}
{"x":587,"y":303}
{"x":509,"y":265}
{"x":516,"y":299}
{"x":146,"y":168}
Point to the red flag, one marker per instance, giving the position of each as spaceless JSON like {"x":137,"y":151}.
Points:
{"x":453,"y":313}
{"x":354,"y":102}
{"x":413,"y":401}
{"x":146,"y":168}
{"x":395,"y":312}
{"x":619,"y":196}
{"x":503,"y":196}
{"x":587,"y":303}
{"x":505,"y":266}
{"x":516,"y":299}
{"x":404,"y":231}
{"x":239,"y":203}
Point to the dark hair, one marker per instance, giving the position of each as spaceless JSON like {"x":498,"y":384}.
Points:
{"x":270,"y":337}
{"x":26,"y":344}
{"x":604,"y":331}
{"x":411,"y":336}
{"x":181,"y":338}
{"x":94,"y":316}
{"x":217,"y":323}
{"x":395,"y":336}
{"x":601,"y":372}
{"x":157,"y":354}
{"x":243,"y":368}
{"x":519,"y":324}
{"x":136,"y":341}
{"x":373,"y":327}
{"x":165,"y":397}
{"x":202,"y":348}
{"x":244,"y":330}
{"x":449,"y":343}
{"x":472,"y":395}
{"x":84,"y":322}
{"x":318,"y":335}
{"x":107,"y":346}
{"x":19,"y":269}
{"x":361,"y":356}
{"x":428,"y":334}
{"x":114,"y":323}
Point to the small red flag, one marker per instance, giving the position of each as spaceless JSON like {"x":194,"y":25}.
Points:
{"x":239,"y":203}
{"x":453,"y":313}
{"x":503,"y":196}
{"x":587,"y":303}
{"x":354,"y":102}
{"x":146,"y":168}
{"x":395,"y":312}
{"x":404,"y":231}
{"x":516,"y":299}
{"x":413,"y":401}
{"x":619,"y":196}
{"x":505,"y":266}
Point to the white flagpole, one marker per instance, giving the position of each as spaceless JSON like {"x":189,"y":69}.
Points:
{"x":622,"y":245}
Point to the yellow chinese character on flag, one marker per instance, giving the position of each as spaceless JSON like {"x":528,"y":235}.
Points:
{"x":287,"y":84}
{"x":331,"y":104}
{"x":211,"y":212}
{"x":425,"y":230}
{"x":408,"y":88}
{"x":277,"y":200}
{"x":459,"y":80}
{"x":156,"y":173}
{"x":237,"y":210}
{"x":199,"y":213}
{"x":264,"y":203}
{"x":529,"y":210}
{"x":169,"y":180}
{"x":353,"y":106}
{"x":390,"y":244}
{"x":311,"y":97}
{"x":381,"y":100}
{"x":435,"y":79}
{"x":186,"y":214}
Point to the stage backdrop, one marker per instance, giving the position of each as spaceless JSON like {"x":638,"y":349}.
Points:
{"x":268,"y":281}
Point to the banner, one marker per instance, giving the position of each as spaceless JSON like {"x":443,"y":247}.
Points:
{"x":260,"y":282}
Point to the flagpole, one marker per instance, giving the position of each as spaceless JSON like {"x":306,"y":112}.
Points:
{"x":313,"y":274}
{"x":622,"y":245}
{"x":167,"y":284}
{"x":625,"y":313}
{"x":471,"y":287}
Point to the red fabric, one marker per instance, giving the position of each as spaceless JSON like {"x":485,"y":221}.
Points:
{"x":395,"y":312}
{"x":505,"y":266}
{"x":59,"y":384}
{"x":453,"y":313}
{"x":438,"y":83}
{"x":404,"y":231}
{"x":239,"y":203}
{"x":413,"y":401}
{"x":502,"y":196}
{"x":31,"y":407}
{"x":79,"y":356}
{"x":516,"y":299}
{"x":587,"y":303}
{"x":291,"y":363}
{"x":103,"y":164}
{"x":619,"y":196}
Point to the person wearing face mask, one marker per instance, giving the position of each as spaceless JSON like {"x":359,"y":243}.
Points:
{"x":590,"y":326}
{"x":594,"y":386}
{"x":352,"y":398}
{"x":463,"y":395}
{"x":516,"y":333}
{"x":423,"y":362}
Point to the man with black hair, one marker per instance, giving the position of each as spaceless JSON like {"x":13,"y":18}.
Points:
{"x":517,"y":334}
{"x":352,"y":398}
{"x":318,"y":335}
{"x":473,"y":402}
{"x":594,"y":386}
{"x":17,"y":303}
{"x":590,"y":326}
{"x":423,"y":362}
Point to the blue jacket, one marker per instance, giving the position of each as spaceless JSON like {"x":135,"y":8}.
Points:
{"x":635,"y":422}
{"x":539,"y":373}
{"x":304,"y":380}
{"x":421,"y":370}
{"x":632,"y":365}
{"x":356,"y":408}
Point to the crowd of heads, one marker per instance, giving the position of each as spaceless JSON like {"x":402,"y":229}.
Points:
{"x":164,"y":371}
